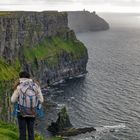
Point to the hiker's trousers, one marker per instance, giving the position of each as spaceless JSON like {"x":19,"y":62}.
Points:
{"x":26,"y":123}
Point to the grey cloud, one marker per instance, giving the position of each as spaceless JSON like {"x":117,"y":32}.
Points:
{"x":112,"y":2}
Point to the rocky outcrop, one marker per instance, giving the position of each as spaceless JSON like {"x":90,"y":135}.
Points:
{"x":83,"y":21}
{"x":76,"y":131}
{"x":63,"y":126}
{"x":62,"y":123}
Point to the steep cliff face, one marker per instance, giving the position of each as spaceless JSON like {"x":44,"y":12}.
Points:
{"x":26,"y":29}
{"x":83,"y":21}
{"x":41,"y":43}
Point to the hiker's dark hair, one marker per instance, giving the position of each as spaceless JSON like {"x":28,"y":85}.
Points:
{"x":24,"y":74}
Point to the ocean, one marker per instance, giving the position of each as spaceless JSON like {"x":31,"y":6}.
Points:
{"x":108,"y":97}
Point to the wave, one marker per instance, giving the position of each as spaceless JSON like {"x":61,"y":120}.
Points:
{"x":109,"y":128}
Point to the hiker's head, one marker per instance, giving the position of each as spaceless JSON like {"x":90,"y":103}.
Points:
{"x":24,"y":74}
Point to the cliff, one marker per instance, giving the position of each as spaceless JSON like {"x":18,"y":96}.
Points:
{"x":42,"y":44}
{"x":83,"y":21}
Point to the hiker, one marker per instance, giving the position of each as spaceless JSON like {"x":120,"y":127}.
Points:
{"x":28,"y":96}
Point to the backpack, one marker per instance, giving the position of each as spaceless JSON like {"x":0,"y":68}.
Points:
{"x":27,"y":100}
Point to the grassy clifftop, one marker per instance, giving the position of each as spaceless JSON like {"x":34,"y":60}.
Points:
{"x":9,"y":71}
{"x":10,"y":132}
{"x":48,"y":49}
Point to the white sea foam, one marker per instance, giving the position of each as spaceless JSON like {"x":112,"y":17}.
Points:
{"x":110,"y":128}
{"x":60,"y":106}
{"x":80,"y":75}
{"x":58,"y":82}
{"x":60,"y":91}
{"x":115,"y":126}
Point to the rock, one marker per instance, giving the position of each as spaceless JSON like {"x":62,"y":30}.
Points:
{"x":74,"y":131}
{"x":62,"y":123}
{"x":83,"y":21}
{"x":64,"y":127}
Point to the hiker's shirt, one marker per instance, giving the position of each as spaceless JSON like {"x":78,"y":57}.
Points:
{"x":16,"y":93}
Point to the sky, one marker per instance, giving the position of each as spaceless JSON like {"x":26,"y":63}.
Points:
{"x":126,"y":6}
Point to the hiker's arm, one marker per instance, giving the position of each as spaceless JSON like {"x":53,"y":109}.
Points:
{"x":14,"y":96}
{"x":40,"y":96}
{"x":15,"y":85}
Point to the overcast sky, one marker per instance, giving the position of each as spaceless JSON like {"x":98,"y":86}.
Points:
{"x":69,"y":5}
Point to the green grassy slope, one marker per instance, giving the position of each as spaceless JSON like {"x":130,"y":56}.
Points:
{"x":49,"y":49}
{"x":9,"y":71}
{"x":10,"y":132}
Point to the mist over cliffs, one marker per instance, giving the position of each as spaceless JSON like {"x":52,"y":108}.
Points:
{"x":83,"y":21}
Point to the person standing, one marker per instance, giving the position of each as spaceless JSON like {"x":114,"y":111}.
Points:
{"x":27,"y":94}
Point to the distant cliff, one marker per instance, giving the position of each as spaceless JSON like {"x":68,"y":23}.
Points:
{"x":83,"y":21}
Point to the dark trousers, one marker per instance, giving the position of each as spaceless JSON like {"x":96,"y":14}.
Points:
{"x":26,"y":123}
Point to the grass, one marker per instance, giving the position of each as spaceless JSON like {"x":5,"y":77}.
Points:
{"x":7,"y":135}
{"x":9,"y":71}
{"x":51,"y":48}
{"x":10,"y":132}
{"x":2,"y":13}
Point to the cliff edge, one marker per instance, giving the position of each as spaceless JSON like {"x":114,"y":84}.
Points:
{"x":83,"y":21}
{"x":41,"y":43}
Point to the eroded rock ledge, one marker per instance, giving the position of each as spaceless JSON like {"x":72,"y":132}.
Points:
{"x":64,"y":127}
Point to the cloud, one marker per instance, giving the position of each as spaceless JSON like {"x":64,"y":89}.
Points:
{"x":112,"y":2}
{"x":68,"y":5}
{"x":124,"y":3}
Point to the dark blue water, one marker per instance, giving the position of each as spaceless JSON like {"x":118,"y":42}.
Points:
{"x":108,"y":98}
